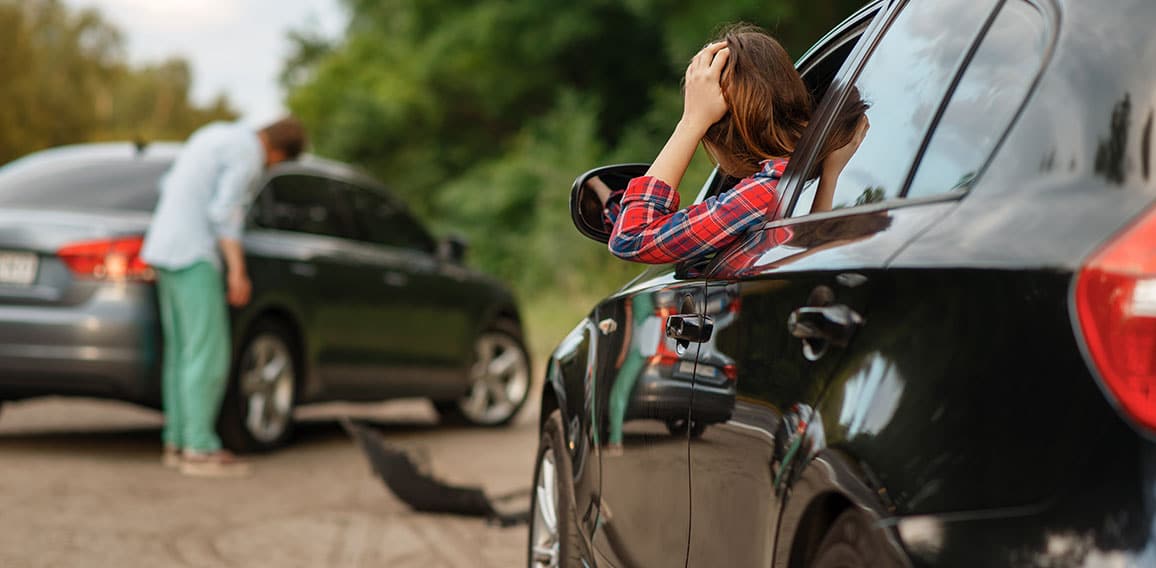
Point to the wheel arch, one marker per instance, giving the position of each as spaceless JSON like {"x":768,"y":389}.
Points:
{"x":548,"y":404}
{"x":828,"y":485}
{"x":817,"y":519}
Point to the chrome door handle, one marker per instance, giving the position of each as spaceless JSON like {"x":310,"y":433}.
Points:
{"x":831,"y":323}
{"x":689,"y":328}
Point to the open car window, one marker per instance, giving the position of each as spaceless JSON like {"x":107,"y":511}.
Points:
{"x":818,"y":69}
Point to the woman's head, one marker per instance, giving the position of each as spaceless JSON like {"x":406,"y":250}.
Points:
{"x":769,"y":103}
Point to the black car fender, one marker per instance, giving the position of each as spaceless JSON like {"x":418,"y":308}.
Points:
{"x":829,"y":483}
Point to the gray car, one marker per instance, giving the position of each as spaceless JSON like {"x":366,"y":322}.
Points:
{"x":352,"y":298}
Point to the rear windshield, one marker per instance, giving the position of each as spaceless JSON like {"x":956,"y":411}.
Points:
{"x":111,"y":184}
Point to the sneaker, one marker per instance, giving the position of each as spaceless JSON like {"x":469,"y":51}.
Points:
{"x":216,"y":464}
{"x":171,"y":457}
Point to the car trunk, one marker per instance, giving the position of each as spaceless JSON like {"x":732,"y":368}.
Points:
{"x":32,"y":270}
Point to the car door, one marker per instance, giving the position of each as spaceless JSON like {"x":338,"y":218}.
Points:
{"x":421,"y":315}
{"x":643,"y":382}
{"x":794,"y":299}
{"x":302,"y":255}
{"x":923,"y":400}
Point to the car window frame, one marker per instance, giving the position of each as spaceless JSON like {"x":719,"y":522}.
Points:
{"x":857,"y":27}
{"x":850,"y":74}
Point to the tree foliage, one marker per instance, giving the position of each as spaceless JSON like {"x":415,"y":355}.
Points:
{"x":66,"y":80}
{"x":482,"y":112}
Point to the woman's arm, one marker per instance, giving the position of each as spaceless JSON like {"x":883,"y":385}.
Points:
{"x":703,"y":105}
{"x":833,"y":168}
{"x":651,"y":229}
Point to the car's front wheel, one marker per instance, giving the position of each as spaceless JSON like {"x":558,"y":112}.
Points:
{"x":257,"y":414}
{"x":553,"y":525}
{"x":499,"y":380}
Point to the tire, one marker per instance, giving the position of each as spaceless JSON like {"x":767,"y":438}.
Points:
{"x":257,"y":414}
{"x":499,"y":380}
{"x":553,"y":544}
{"x":853,"y":541}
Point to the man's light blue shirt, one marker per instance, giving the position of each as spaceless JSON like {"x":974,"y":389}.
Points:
{"x":204,"y":196}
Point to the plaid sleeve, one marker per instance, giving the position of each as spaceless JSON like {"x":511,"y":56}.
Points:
{"x":613,"y":207}
{"x":650,"y":229}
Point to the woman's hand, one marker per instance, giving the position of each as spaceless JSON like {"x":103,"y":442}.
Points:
{"x":704,"y":103}
{"x":837,"y":160}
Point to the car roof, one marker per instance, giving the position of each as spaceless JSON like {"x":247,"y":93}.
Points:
{"x":168,"y":151}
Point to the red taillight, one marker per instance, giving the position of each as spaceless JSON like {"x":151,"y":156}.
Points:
{"x":1116,"y":307}
{"x":108,"y":259}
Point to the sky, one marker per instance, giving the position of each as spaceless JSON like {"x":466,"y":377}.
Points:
{"x":236,"y":47}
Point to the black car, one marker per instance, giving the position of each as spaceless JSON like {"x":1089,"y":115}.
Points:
{"x":956,"y":366}
{"x":352,"y":298}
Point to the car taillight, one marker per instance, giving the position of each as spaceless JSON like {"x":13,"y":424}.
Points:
{"x":108,"y":259}
{"x":1116,"y":307}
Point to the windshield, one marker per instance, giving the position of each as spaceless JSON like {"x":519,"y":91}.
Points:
{"x":82,"y":184}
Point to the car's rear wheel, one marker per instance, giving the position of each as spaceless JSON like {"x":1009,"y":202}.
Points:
{"x":553,"y":525}
{"x":499,"y":380}
{"x":853,"y":541}
{"x":257,"y":414}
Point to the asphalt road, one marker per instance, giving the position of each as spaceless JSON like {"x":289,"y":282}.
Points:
{"x":81,"y":485}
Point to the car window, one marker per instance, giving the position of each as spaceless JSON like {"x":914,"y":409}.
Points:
{"x":904,"y":80}
{"x":985,"y":101}
{"x":383,"y":221}
{"x":305,"y":204}
{"x":818,"y":72}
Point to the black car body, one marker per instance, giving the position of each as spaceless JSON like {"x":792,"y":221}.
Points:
{"x":954,"y":367}
{"x":352,"y":298}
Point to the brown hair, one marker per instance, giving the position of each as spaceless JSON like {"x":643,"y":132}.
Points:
{"x":287,"y":135}
{"x":769,"y":105}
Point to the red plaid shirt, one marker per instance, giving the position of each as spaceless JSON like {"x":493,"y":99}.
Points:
{"x":651,"y":229}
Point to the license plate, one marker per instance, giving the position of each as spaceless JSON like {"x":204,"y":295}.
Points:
{"x":18,"y":268}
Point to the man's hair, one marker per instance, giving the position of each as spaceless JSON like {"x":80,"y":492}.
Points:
{"x":286,"y":135}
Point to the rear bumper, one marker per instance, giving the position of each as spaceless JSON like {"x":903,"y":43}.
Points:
{"x":109,"y":346}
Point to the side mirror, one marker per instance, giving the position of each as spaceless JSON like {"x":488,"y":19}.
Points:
{"x":586,"y":203}
{"x":452,"y":249}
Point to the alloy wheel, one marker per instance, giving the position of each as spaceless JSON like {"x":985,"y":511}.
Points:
{"x":267,"y":383}
{"x":500,"y":380}
{"x":545,"y":546}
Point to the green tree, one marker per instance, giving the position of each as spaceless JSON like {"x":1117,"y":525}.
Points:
{"x":66,"y":81}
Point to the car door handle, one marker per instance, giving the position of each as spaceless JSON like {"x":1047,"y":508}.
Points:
{"x":396,"y":279}
{"x":689,"y":328}
{"x":834,"y":324}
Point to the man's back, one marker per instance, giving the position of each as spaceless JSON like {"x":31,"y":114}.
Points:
{"x":203,"y":195}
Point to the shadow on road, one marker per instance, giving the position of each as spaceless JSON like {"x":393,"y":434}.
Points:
{"x":52,"y":429}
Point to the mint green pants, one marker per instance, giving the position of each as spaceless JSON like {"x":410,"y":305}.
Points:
{"x":196,"y":357}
